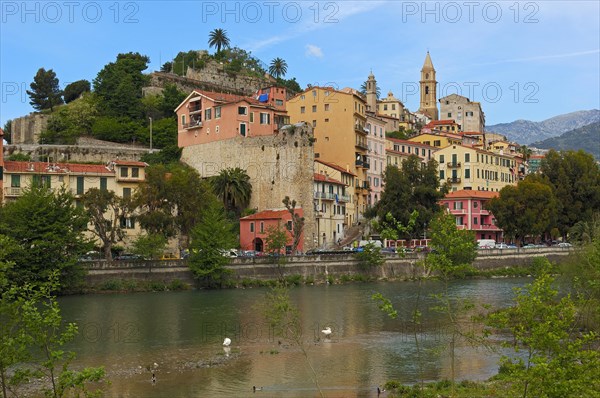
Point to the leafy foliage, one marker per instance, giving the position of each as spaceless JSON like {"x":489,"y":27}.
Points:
{"x":232,"y":186}
{"x":558,"y":362}
{"x":297,"y":222}
{"x":370,"y":256}
{"x":411,"y":188}
{"x":209,"y":238}
{"x":69,"y":122}
{"x":290,"y":84}
{"x":49,"y":232}
{"x":150,"y":246}
{"x":119,"y":85}
{"x":75,"y":90}
{"x":105,"y":210}
{"x":276,"y":239}
{"x":218,"y":38}
{"x":45,"y":90}
{"x":278,"y":68}
{"x":526,"y":209}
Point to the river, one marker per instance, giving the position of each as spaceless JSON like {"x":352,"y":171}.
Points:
{"x":182,"y":332}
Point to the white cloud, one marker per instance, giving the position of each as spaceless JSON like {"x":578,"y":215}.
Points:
{"x":313,"y":51}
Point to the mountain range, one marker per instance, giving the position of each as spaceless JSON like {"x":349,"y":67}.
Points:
{"x":586,"y":138}
{"x":526,"y":131}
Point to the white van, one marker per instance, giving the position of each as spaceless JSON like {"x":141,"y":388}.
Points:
{"x":486,"y":244}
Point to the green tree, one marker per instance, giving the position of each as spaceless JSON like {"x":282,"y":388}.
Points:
{"x":218,"y":38}
{"x":232,"y":186}
{"x":363,"y":90}
{"x":119,"y":85}
{"x":150,"y":246}
{"x":105,"y":211}
{"x":370,"y":256}
{"x":276,"y":239}
{"x":209,"y":239}
{"x":7,"y":131}
{"x":575,"y":179}
{"x":45,"y":90}
{"x":72,"y":121}
{"x":559,"y":360}
{"x":413,"y":187}
{"x":278,"y":68}
{"x":401,"y":134}
{"x":171,"y":97}
{"x":526,"y":209}
{"x":76,"y":89}
{"x":49,"y":232}
{"x":297,"y":222}
{"x":290,"y":84}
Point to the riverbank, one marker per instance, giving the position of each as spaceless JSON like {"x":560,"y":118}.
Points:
{"x":296,"y":270}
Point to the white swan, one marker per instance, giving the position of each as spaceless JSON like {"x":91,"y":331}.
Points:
{"x":227,"y":342}
{"x":326,"y":331}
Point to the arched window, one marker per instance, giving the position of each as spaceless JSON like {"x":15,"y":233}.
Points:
{"x":426,"y":89}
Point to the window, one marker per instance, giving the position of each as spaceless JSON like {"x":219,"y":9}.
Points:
{"x":45,"y":181}
{"x":475,"y":204}
{"x":126,"y":193}
{"x":441,"y":159}
{"x":251,"y":227}
{"x":242,"y":110}
{"x":243,"y":129}
{"x":80,"y":185}
{"x":437,"y":143}
{"x":314,"y":124}
{"x":376,"y":181}
{"x":182,"y":120}
{"x":15,"y":181}
{"x":208,"y":114}
{"x":467,"y":173}
{"x":458,"y":205}
{"x":459,"y":220}
{"x":217,"y":112}
{"x":475,"y":220}
{"x":449,"y":114}
{"x":441,"y":174}
{"x":124,"y":172}
{"x":265,"y":118}
{"x":326,"y":107}
{"x":468,"y":113}
{"x":314,"y":108}
{"x":393,"y":107}
{"x":426,"y":89}
{"x":279,"y":102}
{"x":262,"y":227}
{"x":103,"y":183}
{"x":326,"y":120}
{"x":135,"y":172}
{"x":423,"y":152}
{"x":289,"y":224}
{"x":385,"y":107}
{"x":127,"y":223}
{"x":467,"y":157}
{"x":251,"y":117}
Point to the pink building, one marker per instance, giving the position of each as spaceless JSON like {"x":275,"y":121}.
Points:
{"x":469,"y":209}
{"x":206,"y":116}
{"x":254,"y":229}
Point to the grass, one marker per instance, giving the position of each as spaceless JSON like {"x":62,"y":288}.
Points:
{"x":445,"y":388}
{"x":130,"y":285}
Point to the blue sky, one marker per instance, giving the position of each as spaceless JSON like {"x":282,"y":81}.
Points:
{"x":521,"y":60}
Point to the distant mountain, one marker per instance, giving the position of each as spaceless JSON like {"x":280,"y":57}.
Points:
{"x":586,"y":138}
{"x":526,"y":131}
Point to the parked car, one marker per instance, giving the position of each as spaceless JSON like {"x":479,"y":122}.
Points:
{"x":505,"y":246}
{"x":564,"y":244}
{"x":391,"y":250}
{"x":168,"y":256}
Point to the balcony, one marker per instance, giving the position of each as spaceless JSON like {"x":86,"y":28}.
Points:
{"x":362,"y":185}
{"x":193,"y":125}
{"x":453,"y":180}
{"x":331,"y":196}
{"x":195,"y":109}
{"x":361,"y":143}
{"x":358,"y":163}
{"x":13,"y":191}
{"x":453,"y":164}
{"x":360,"y":129}
{"x":366,"y":165}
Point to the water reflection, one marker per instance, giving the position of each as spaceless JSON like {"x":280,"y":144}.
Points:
{"x":183,"y":332}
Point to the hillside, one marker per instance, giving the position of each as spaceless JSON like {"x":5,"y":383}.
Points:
{"x":526,"y":131}
{"x":586,"y":138}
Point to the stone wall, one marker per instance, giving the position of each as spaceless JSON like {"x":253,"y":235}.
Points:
{"x":279,"y":165}
{"x":317,"y":267}
{"x":27,"y":129}
{"x":87,"y":150}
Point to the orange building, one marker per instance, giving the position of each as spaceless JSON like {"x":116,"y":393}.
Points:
{"x":206,"y":116}
{"x":254,"y":229}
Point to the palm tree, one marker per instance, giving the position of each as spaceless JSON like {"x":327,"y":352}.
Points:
{"x":233,"y":187}
{"x":526,"y":152}
{"x":363,"y":90}
{"x":218,"y":38}
{"x":278,"y":68}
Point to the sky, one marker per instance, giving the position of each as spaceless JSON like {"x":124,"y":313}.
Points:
{"x":522,"y":60}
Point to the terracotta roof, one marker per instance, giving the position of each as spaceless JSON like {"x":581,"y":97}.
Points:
{"x":130,"y":163}
{"x":336,"y":167}
{"x":440,"y":122}
{"x":269,"y":215}
{"x":324,"y":178}
{"x":224,"y":98}
{"x":55,"y":168}
{"x":465,"y":193}
{"x":417,"y":143}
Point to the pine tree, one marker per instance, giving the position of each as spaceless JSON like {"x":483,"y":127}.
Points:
{"x":45,"y":92}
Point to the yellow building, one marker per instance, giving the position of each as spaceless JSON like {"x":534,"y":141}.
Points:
{"x":438,"y":140}
{"x":338,"y":118}
{"x":397,"y":150}
{"x":122,"y":177}
{"x":471,"y":168}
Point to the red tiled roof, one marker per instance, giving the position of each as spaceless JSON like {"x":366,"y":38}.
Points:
{"x":130,"y":163}
{"x":440,"y":122}
{"x":335,"y":166}
{"x":324,"y":178}
{"x":465,"y":193}
{"x":268,"y":215}
{"x":55,"y":168}
{"x":417,"y":143}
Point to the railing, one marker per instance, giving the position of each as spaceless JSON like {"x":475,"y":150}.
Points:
{"x":366,"y":165}
{"x":453,"y":180}
{"x":453,"y":164}
{"x":360,"y":129}
{"x":358,"y":163}
{"x":13,"y":191}
{"x":192,"y":125}
{"x":195,"y":109}
{"x":361,"y":143}
{"x":331,"y":196}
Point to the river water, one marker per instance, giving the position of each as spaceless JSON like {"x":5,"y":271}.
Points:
{"x":182,"y":333}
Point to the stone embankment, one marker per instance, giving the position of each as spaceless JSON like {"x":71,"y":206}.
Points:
{"x":314,"y":267}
